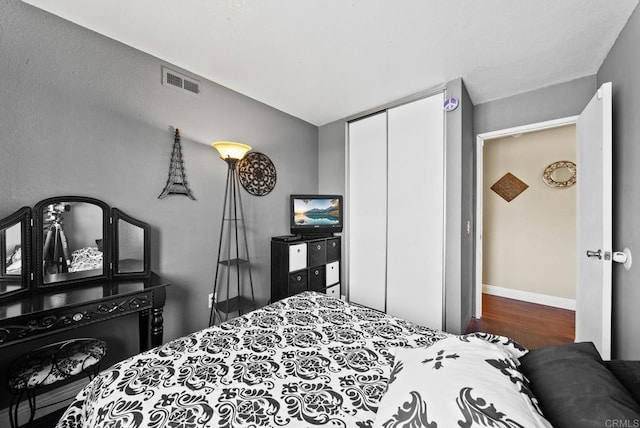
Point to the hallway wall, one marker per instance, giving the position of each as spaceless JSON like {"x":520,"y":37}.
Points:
{"x":529,"y":242}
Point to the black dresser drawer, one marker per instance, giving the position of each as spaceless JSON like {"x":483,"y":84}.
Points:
{"x":297,"y":282}
{"x":317,"y":278}
{"x":71,"y":316}
{"x":317,"y":251}
{"x":333,"y":249}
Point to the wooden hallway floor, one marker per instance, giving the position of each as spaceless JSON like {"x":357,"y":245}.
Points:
{"x":531,"y":325}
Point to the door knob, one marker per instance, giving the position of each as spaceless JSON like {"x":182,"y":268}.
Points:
{"x":622,"y":257}
{"x":597,"y":254}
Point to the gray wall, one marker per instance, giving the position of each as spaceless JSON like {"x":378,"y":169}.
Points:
{"x":621,"y":68}
{"x":459,"y":211}
{"x":552,"y":102}
{"x":467,"y":254}
{"x":81,"y":114}
{"x":331,"y":158}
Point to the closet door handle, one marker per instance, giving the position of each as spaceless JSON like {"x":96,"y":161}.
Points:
{"x":597,"y":254}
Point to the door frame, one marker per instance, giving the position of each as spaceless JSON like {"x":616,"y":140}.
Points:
{"x":480,"y":139}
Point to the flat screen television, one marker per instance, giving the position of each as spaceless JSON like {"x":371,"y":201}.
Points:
{"x":313,"y":215}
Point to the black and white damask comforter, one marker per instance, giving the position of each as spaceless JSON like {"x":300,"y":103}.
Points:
{"x":308,"y":360}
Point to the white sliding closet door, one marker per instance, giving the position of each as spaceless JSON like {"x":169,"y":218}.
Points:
{"x":416,"y":206}
{"x":367,"y":206}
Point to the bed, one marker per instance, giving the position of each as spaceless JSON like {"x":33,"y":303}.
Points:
{"x":313,"y":360}
{"x":86,"y":258}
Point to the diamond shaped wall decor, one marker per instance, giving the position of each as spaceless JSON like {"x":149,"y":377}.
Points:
{"x":509,"y":186}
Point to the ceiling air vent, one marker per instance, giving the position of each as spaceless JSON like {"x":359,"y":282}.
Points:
{"x":175,"y":80}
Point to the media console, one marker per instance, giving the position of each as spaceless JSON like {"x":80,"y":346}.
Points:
{"x":305,"y":263}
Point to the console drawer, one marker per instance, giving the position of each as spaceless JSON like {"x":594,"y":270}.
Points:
{"x":316,"y":278}
{"x":317,"y":253}
{"x":334,"y":291}
{"x":297,"y":282}
{"x":297,"y":257}
{"x":333,"y":273}
{"x":333,"y":249}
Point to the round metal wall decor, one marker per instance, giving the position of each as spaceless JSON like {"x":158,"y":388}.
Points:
{"x":560,"y":174}
{"x":257,"y":173}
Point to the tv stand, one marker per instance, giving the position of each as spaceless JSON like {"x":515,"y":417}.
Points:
{"x":307,"y":263}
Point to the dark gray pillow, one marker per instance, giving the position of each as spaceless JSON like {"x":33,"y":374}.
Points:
{"x":628,"y":373}
{"x":575,"y":388}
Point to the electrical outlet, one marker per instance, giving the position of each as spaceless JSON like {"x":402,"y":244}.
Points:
{"x":210,"y":300}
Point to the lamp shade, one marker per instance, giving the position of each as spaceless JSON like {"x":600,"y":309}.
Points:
{"x":231,"y":150}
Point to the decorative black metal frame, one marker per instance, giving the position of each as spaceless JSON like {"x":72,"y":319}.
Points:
{"x":177,"y":181}
{"x":257,"y":173}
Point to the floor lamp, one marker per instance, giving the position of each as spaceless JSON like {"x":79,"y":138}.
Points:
{"x":233,"y":225}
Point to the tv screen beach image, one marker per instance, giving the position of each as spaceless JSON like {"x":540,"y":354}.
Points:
{"x":320,"y":212}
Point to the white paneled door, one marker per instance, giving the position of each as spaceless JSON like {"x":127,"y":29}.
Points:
{"x":594,"y":222}
{"x":367,"y":208}
{"x":415,"y":239}
{"x":396,"y":211}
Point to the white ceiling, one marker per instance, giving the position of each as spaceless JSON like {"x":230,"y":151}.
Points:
{"x":325,"y":60}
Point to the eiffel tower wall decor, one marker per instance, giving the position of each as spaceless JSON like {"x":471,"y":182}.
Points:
{"x":177,"y":181}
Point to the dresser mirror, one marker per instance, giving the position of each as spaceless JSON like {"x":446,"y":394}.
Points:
{"x":12,"y":245}
{"x":132,"y":240}
{"x":70,"y":240}
{"x":15,"y":240}
{"x":70,"y":233}
{"x":76,"y":240}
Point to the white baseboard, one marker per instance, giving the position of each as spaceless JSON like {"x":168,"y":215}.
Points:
{"x":62,"y":396}
{"x":527,"y":296}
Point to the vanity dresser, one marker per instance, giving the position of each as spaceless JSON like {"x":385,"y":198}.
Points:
{"x":73,"y":261}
